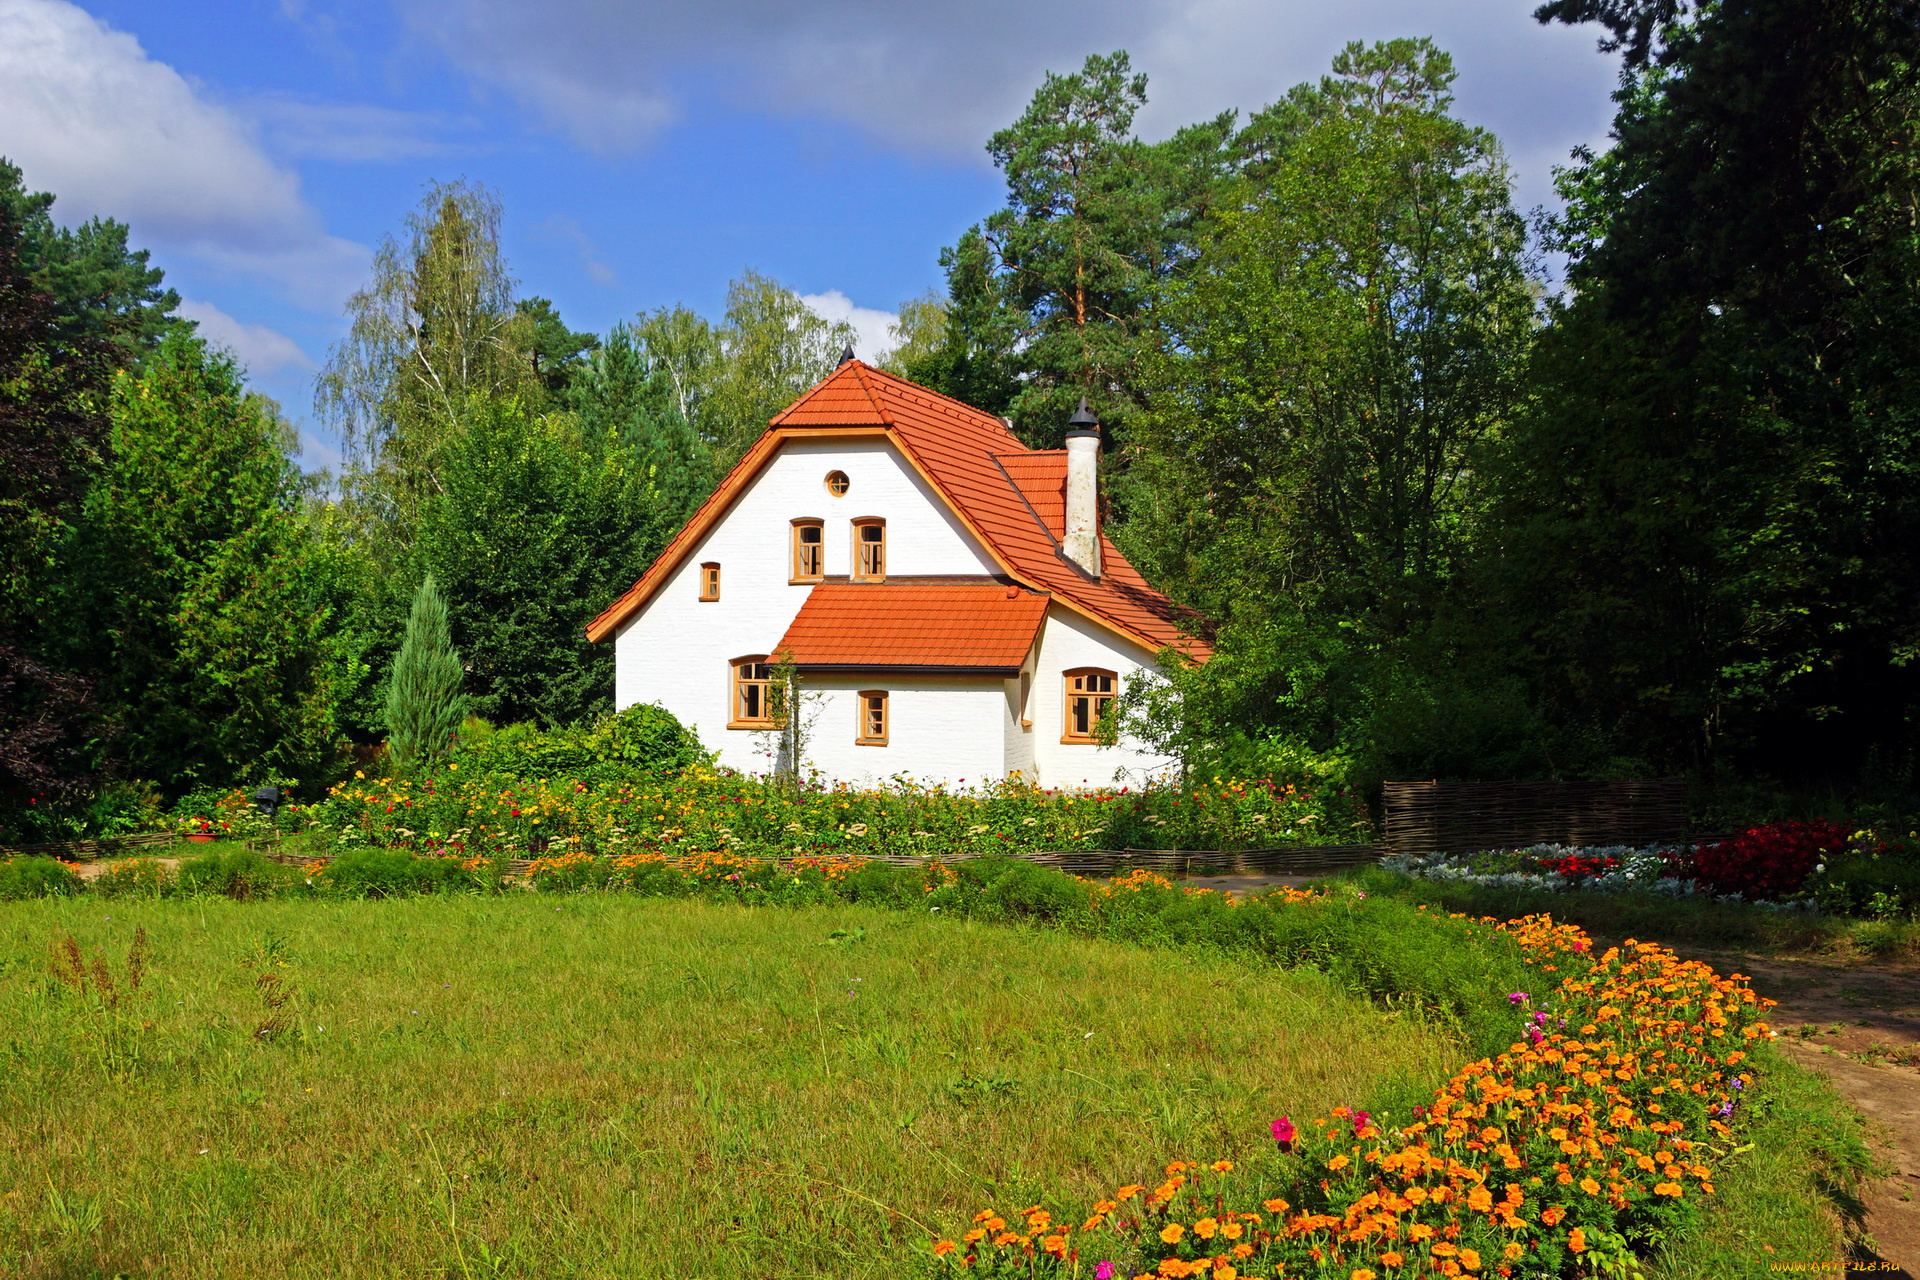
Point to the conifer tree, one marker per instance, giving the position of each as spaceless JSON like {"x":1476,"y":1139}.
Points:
{"x":424,"y":702}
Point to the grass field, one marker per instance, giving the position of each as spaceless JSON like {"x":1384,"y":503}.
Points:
{"x":603,"y":1086}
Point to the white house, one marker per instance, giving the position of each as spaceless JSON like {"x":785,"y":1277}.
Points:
{"x":945,"y":591}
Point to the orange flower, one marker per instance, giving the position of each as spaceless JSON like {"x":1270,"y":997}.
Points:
{"x":1577,"y":1240}
{"x":1205,"y":1228}
{"x":1392,"y":1258}
{"x":1470,"y":1259}
{"x":1172,"y":1232}
{"x":944,"y":1247}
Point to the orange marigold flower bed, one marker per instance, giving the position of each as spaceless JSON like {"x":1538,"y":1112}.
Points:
{"x":1605,"y":1117}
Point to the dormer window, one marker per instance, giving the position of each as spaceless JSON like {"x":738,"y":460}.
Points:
{"x":869,"y":550}
{"x":809,"y":549}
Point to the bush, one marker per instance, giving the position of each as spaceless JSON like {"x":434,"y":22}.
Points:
{"x":643,"y":739}
{"x":1881,"y":883}
{"x":134,"y":878}
{"x":1770,"y":862}
{"x":37,"y":878}
{"x":238,"y":873}
{"x":389,"y":873}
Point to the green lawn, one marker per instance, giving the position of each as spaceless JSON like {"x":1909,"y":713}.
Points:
{"x":604,"y":1086}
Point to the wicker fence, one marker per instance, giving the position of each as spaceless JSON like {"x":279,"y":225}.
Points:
{"x":1459,"y":817}
{"x":90,"y":850}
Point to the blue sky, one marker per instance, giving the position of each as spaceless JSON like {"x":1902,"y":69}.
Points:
{"x":646,"y":150}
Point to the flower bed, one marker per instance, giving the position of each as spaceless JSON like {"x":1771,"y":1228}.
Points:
{"x":1600,"y":1126}
{"x":703,"y":810}
{"x":1556,"y":868}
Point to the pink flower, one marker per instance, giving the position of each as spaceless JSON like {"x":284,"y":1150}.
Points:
{"x":1284,"y":1133}
{"x":1104,"y":1271}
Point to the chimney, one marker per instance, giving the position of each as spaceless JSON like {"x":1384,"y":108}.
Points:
{"x":1082,"y":538}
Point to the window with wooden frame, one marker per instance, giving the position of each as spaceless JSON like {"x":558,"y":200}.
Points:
{"x":710,"y":581}
{"x":873,"y":718}
{"x":838,"y":484}
{"x":752,"y":693}
{"x":1089,"y":691}
{"x":809,"y":550}
{"x":1026,"y":699}
{"x":869,"y":549}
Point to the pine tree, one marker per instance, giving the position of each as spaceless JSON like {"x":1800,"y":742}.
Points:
{"x":424,"y":702}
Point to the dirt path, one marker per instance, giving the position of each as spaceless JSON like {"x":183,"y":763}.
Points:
{"x":1860,"y":1026}
{"x":94,"y":870}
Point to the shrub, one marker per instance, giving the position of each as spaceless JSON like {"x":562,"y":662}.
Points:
{"x":134,"y":878}
{"x":1882,"y":883}
{"x":388,"y":873}
{"x":1770,"y":862}
{"x":37,"y":878}
{"x":237,"y":873}
{"x":643,"y":739}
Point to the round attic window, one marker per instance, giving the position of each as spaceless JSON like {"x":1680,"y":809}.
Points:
{"x":838,"y":484}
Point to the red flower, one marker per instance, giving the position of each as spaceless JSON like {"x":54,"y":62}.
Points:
{"x":1768,"y":862}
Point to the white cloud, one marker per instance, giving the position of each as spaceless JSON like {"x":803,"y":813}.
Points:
{"x":873,"y":328}
{"x":260,"y":350}
{"x":942,"y":77}
{"x":89,"y":116}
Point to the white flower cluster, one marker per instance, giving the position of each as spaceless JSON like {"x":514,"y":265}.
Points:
{"x":1647,"y":870}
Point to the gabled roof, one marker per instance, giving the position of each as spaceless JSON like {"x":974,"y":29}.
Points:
{"x":987,"y":625}
{"x":1009,"y":496}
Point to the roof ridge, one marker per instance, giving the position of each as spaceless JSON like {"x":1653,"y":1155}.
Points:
{"x":858,"y":369}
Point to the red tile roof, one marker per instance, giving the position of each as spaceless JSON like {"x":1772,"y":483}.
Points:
{"x":967,"y":625}
{"x":1008,"y":495}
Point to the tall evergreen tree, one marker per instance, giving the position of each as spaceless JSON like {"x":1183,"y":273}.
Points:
{"x":424,"y":702}
{"x":194,"y":587}
{"x":1059,"y":279}
{"x":99,"y":289}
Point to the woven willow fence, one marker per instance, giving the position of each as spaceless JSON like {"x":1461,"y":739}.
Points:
{"x":1461,"y":817}
{"x":89,"y":850}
